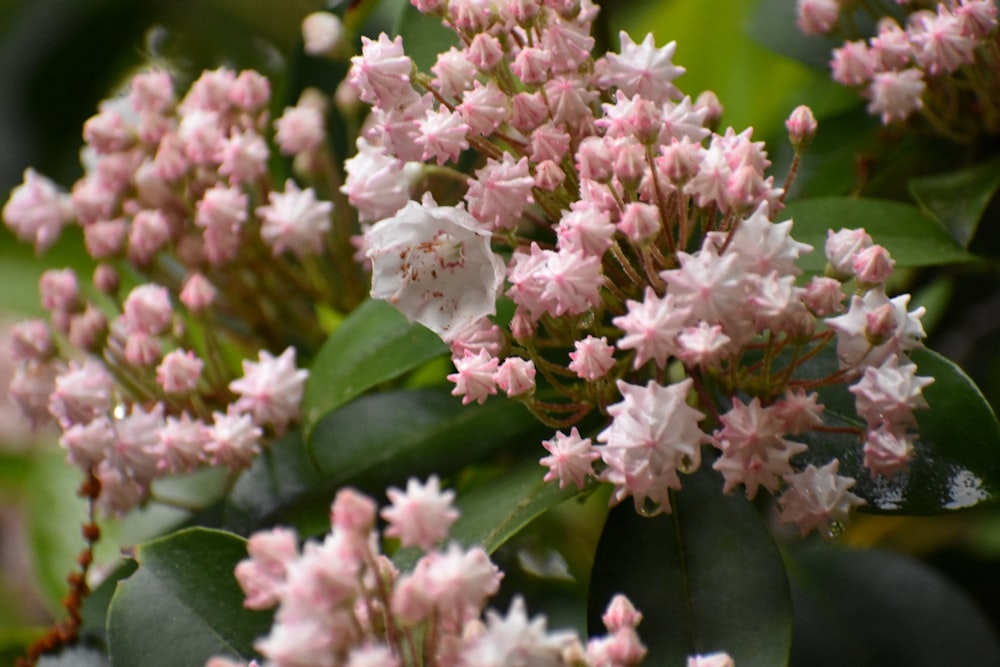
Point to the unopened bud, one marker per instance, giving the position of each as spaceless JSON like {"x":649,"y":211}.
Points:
{"x":801,"y":126}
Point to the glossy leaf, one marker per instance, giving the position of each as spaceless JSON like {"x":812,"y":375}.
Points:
{"x":912,"y":238}
{"x":872,"y":608}
{"x":374,"y":344}
{"x":959,"y":199}
{"x":377,"y":440}
{"x":773,"y":26}
{"x":706,"y":578}
{"x":957,"y":459}
{"x":183,"y":604}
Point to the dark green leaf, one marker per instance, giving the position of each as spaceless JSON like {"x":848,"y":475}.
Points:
{"x":374,"y":344}
{"x":773,"y":26}
{"x":379,"y":439}
{"x":706,"y":578}
{"x":957,"y":459}
{"x":183,"y":605}
{"x":913,"y":238}
{"x":959,"y":199}
{"x":872,"y":608}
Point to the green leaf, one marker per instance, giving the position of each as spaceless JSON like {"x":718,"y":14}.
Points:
{"x":872,"y":608}
{"x":912,"y":238}
{"x":956,"y":463}
{"x":374,"y":344}
{"x":773,"y":25}
{"x":183,"y":605}
{"x":959,"y":199}
{"x":706,"y":578}
{"x":380,"y":439}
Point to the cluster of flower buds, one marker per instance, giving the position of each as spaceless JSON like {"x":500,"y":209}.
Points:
{"x":648,"y":282}
{"x":340,"y":601}
{"x":941,"y":64}
{"x":201,"y":263}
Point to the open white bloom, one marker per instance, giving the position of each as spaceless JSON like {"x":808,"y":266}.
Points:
{"x":435,"y":265}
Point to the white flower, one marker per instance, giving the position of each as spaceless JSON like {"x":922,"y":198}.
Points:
{"x":435,"y":265}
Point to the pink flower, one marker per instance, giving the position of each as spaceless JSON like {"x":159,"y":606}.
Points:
{"x":322,"y":33}
{"x":179,"y":371}
{"x":435,"y":265}
{"x":500,"y":192}
{"x":453,"y":73}
{"x":817,"y":497}
{"x":887,"y":451}
{"x":301,"y":129}
{"x":475,"y":377}
{"x":939,"y":43}
{"x":642,"y":69}
{"x":442,"y":135}
{"x":37,"y":211}
{"x":59,"y":290}
{"x":650,"y":328}
{"x":198,"y":293}
{"x":653,"y":434}
{"x":592,"y":358}
{"x":271,"y":389}
{"x":895,"y":95}
{"x":889,"y":393}
{"x":853,"y":64}
{"x":181,"y":446}
{"x":147,"y":310}
{"x":243,"y":157}
{"x":875,"y":328}
{"x":516,"y":376}
{"x":570,"y":459}
{"x":262,"y":576}
{"x":376,"y":183}
{"x":420,"y":516}
{"x":381,"y":74}
{"x":294,"y":220}
{"x":234,"y":441}
{"x":817,"y":17}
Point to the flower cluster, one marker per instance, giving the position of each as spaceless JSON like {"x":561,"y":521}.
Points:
{"x":939,"y":61}
{"x":201,"y":264}
{"x":340,"y":601}
{"x":647,"y":278}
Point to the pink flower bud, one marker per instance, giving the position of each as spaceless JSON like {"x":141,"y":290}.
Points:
{"x":549,"y":175}
{"x":880,"y":324}
{"x":873,"y":265}
{"x":516,"y":376}
{"x":88,"y":329}
{"x":106,"y":279}
{"x":179,"y":371}
{"x":485,"y":51}
{"x":353,"y":511}
{"x":840,"y":250}
{"x":142,"y":350}
{"x":36,"y":210}
{"x":801,"y":126}
{"x":301,"y":129}
{"x":105,"y":238}
{"x":149,"y":233}
{"x":197,"y":294}
{"x":147,"y":310}
{"x":322,"y":33}
{"x":823,"y":296}
{"x":251,"y":91}
{"x":31,"y":340}
{"x":59,"y":290}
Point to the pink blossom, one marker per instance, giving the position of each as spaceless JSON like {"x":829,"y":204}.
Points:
{"x":442,"y":135}
{"x":889,"y":393}
{"x":381,"y":74}
{"x":858,"y":343}
{"x":300,"y":129}
{"x":799,"y":411}
{"x":453,"y":73}
{"x":484,"y":51}
{"x":650,"y":328}
{"x":569,"y":43}
{"x":817,"y":497}
{"x":592,"y":358}
{"x":435,"y":265}
{"x":87,"y":329}
{"x":107,"y":132}
{"x":322,"y":33}
{"x":105,"y":238}
{"x":801,"y":126}
{"x":179,"y":371}
{"x":420,"y":516}
{"x":270,"y":389}
{"x":30,"y":389}
{"x":59,"y":290}
{"x":528,"y":111}
{"x":234,"y":441}
{"x":500,"y":192}
{"x":198,"y":293}
{"x":532,"y":65}
{"x":702,"y":345}
{"x":895,"y":95}
{"x":136,"y":447}
{"x":823,"y":296}
{"x":892,"y":47}
{"x":569,"y":100}
{"x":152,"y":91}
{"x":475,"y":377}
{"x":484,"y":108}
{"x":181,"y":446}
{"x":653,"y":434}
{"x":147,"y":310}
{"x":89,"y":443}
{"x":294,"y":220}
{"x":816,"y":17}
{"x":376,"y":184}
{"x":201,"y":134}
{"x":873,"y":265}
{"x":841,"y":248}
{"x":887,"y":451}
{"x":210,"y":92}
{"x":940,"y":46}
{"x":352,"y":511}
{"x":82,"y":393}
{"x":853,"y":64}
{"x":978,"y":17}
{"x":221,"y":212}
{"x":262,"y":576}
{"x":251,"y":91}
{"x":149,"y":233}
{"x":514,"y":640}
{"x":516,"y":376}
{"x":243,"y":157}
{"x":570,"y":459}
{"x":31,"y":340}
{"x":585,"y":230}
{"x":36,"y":210}
{"x":642,"y":69}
